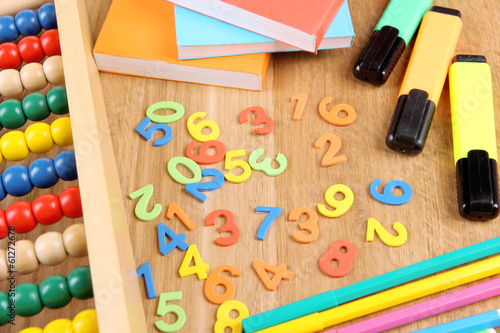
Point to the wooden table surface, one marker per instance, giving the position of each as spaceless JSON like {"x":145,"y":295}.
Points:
{"x":431,"y":216}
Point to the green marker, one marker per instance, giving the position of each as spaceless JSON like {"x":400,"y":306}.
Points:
{"x":393,"y":33}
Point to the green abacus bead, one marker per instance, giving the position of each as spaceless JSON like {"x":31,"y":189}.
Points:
{"x":80,"y":283}
{"x":11,"y":114}
{"x":27,"y":300}
{"x":4,"y":309}
{"x":58,"y":100}
{"x":54,"y":292}
{"x":35,"y":107}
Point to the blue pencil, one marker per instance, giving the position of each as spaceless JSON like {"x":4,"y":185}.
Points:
{"x":465,"y":325}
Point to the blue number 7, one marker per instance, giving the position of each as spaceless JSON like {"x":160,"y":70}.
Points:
{"x":274,"y":212}
{"x":195,"y":188}
{"x":148,"y":133}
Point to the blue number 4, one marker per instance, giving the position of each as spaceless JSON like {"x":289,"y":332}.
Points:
{"x":274,"y":212}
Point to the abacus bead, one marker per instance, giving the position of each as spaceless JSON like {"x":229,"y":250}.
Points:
{"x":79,"y":283}
{"x":65,"y":165}
{"x":35,"y":107}
{"x":27,"y":22}
{"x":10,"y":83}
{"x":4,"y":268}
{"x":13,"y":146}
{"x":8,"y":29}
{"x":54,"y":292}
{"x":32,"y":76}
{"x":30,"y":49}
{"x":74,"y":240}
{"x":57,"y":99}
{"x":47,"y":209}
{"x":53,"y":69}
{"x":71,"y":203}
{"x":11,"y":114}
{"x":4,"y":308}
{"x":20,"y":216}
{"x":39,"y":138}
{"x":27,"y":300}
{"x":61,"y":132}
{"x":3,"y":194}
{"x":42,"y":173}
{"x":32,"y":330}
{"x":16,"y":180}
{"x":50,"y":42}
{"x":4,"y":227}
{"x":9,"y":56}
{"x":25,"y":257}
{"x":61,"y":325}
{"x":86,"y":322}
{"x":47,"y":16}
{"x":49,"y":249}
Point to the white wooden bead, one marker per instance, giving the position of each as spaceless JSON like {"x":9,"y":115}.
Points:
{"x":10,"y":83}
{"x":49,"y":248}
{"x":4,"y":268}
{"x":25,"y":257}
{"x":75,"y":241}
{"x":53,"y":69}
{"x":33,"y":77}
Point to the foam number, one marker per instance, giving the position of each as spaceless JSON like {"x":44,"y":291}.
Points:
{"x":203,"y":157}
{"x":301,"y":99}
{"x":333,"y":117}
{"x":176,"y":240}
{"x":147,"y":133}
{"x":280,"y":273}
{"x":311,"y":224}
{"x":144,"y":194}
{"x":199,"y":268}
{"x":225,"y":321}
{"x":230,"y":164}
{"x":174,"y":209}
{"x":273,"y":213}
{"x":165,"y":119}
{"x":387,"y":197}
{"x":229,"y":226}
{"x":342,"y":251}
{"x":145,"y":271}
{"x":261,"y":119}
{"x":215,"y":279}
{"x":335,"y":143}
{"x":196,"y":129}
{"x":195,"y":188}
{"x":265,"y":165}
{"x":375,"y":226}
{"x":164,"y":308}
{"x":189,"y":164}
{"x":341,"y":206}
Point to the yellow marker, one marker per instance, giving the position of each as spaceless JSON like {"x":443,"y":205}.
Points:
{"x":424,"y":80}
{"x":474,"y":139}
{"x":383,"y":300}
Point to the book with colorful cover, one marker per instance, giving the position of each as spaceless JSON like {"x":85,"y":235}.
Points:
{"x":200,"y":36}
{"x":138,"y":38}
{"x":299,"y":23}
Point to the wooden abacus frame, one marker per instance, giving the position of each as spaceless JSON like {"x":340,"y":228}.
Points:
{"x":116,"y":290}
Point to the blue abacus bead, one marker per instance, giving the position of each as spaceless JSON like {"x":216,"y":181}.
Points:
{"x":42,"y":173}
{"x":27,"y":22}
{"x":47,"y":16}
{"x":16,"y":180}
{"x":8,"y":29}
{"x":65,"y":165}
{"x":3,"y":194}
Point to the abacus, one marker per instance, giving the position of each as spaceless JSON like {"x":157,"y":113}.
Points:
{"x":38,"y":53}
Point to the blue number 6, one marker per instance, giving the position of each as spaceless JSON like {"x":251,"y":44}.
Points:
{"x":387,"y":197}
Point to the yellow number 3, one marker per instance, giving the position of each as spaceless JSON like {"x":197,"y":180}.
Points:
{"x":223,"y":319}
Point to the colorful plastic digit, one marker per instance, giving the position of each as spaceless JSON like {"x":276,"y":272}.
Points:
{"x":176,"y":240}
{"x":196,"y":129}
{"x":231,"y":164}
{"x":203,"y":157}
{"x":261,"y":119}
{"x":388,"y":239}
{"x":280,"y":273}
{"x":344,"y":259}
{"x":311,"y":225}
{"x":335,"y":143}
{"x":175,"y":209}
{"x":144,"y":194}
{"x":195,"y":188}
{"x":273,"y":213}
{"x":214,"y":279}
{"x":301,"y":99}
{"x":387,"y":197}
{"x":165,"y":119}
{"x":332,"y":116}
{"x":188,"y":163}
{"x":164,"y":308}
{"x":341,"y":206}
{"x":265,"y":165}
{"x":147,"y":133}
{"x":229,"y":226}
{"x":145,"y":271}
{"x":199,"y":268}
{"x":225,"y":321}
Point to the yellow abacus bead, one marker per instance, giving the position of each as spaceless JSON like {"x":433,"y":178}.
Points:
{"x":10,"y":83}
{"x":61,"y":132}
{"x":53,"y":69}
{"x":4,"y":268}
{"x":58,"y":326}
{"x":33,"y":77}
{"x":86,"y":322}
{"x":32,"y":330}
{"x":13,"y":146}
{"x":39,"y":138}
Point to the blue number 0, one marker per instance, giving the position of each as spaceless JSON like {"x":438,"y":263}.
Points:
{"x":387,"y":197}
{"x":195,"y":188}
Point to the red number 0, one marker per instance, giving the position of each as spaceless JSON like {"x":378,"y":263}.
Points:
{"x":344,"y":259}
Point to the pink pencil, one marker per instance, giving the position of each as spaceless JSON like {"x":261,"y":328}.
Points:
{"x":425,"y":309}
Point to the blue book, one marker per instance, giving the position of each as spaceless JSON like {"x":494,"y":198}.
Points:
{"x":200,"y":36}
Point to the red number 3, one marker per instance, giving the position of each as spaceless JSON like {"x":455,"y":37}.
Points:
{"x":344,"y":259}
{"x":261,"y":118}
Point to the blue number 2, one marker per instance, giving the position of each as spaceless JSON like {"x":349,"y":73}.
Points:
{"x":195,"y":188}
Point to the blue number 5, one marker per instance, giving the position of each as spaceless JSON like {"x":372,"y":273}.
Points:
{"x":148,"y":133}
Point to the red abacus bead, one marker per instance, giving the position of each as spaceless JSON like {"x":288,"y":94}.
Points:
{"x":50,"y":43}
{"x":20,"y":216}
{"x":47,"y":209}
{"x":71,"y":203}
{"x":4,"y":228}
{"x":30,"y":49}
{"x":9,"y":56}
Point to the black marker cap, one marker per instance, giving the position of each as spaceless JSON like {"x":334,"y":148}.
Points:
{"x":446,"y":10}
{"x":477,"y":186}
{"x":380,"y":55}
{"x":411,"y":122}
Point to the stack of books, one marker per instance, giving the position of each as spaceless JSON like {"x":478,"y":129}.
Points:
{"x":216,"y":42}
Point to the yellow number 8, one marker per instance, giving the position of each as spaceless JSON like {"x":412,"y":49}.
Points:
{"x":223,"y":319}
